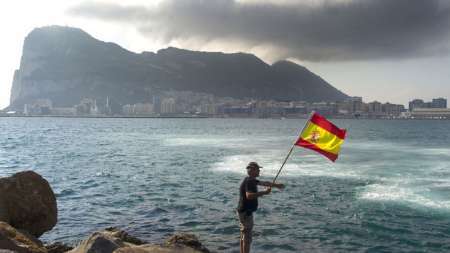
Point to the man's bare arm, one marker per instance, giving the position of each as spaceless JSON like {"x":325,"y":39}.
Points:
{"x":254,"y":195}
{"x":270,"y":184}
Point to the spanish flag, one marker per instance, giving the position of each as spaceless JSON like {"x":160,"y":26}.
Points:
{"x":322,"y":136}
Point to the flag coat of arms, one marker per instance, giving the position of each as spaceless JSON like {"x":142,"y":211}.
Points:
{"x":322,"y":136}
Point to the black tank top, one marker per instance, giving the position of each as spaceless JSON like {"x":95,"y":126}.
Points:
{"x":248,"y":205}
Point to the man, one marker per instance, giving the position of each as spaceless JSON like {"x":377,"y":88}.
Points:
{"x":248,"y":203}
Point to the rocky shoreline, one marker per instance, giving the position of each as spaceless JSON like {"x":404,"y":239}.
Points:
{"x":28,"y":209}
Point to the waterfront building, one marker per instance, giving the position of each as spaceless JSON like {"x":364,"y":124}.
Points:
{"x":143,"y":108}
{"x":323,"y":108}
{"x":416,"y":103}
{"x":156,"y":104}
{"x":342,"y":107}
{"x":168,"y":106}
{"x":392,"y":110}
{"x":64,"y":111}
{"x":375,"y":109}
{"x":239,"y":110}
{"x":127,"y":109}
{"x":295,"y":109}
{"x":139,"y":109}
{"x":435,"y":103}
{"x":356,"y":105}
{"x":439,"y":103}
{"x":87,"y":106}
{"x":430,"y":113}
{"x":38,"y":107}
{"x":208,"y":109}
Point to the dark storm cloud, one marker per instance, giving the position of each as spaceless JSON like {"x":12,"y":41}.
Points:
{"x":317,"y":31}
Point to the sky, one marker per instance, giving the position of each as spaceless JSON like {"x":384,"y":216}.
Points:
{"x":384,"y":50}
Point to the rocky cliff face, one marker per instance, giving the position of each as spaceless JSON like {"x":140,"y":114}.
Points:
{"x":66,"y":64}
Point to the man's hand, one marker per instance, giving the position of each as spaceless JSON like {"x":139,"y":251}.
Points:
{"x":268,"y":190}
{"x":270,"y":184}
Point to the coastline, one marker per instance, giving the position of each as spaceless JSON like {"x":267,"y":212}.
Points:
{"x":102,"y":117}
{"x":206,"y":117}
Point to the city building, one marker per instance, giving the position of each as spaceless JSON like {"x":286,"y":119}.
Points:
{"x":168,"y":106}
{"x":430,"y":113}
{"x":439,"y":103}
{"x":416,"y":103}
{"x":64,"y":111}
{"x":435,"y":103}
{"x":392,"y":110}
{"x":375,"y":109}
{"x":208,"y":109}
{"x":201,"y":104}
{"x":139,"y":109}
{"x":87,"y":106}
{"x":38,"y":107}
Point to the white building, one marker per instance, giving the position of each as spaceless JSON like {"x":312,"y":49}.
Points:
{"x":430,"y":113}
{"x":168,"y":106}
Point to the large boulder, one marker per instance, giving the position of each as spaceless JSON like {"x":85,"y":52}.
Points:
{"x":150,"y":248}
{"x":57,"y":247}
{"x":27,"y":202}
{"x":113,"y":240}
{"x":179,"y":243}
{"x":106,"y":241}
{"x":17,"y":241}
{"x":123,"y":236}
{"x":188,"y":240}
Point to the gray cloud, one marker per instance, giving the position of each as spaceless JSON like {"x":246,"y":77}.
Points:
{"x":324,"y":31}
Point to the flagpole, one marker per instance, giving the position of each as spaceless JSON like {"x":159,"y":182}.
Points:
{"x":292,"y":148}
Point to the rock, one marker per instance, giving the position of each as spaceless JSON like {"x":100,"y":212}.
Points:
{"x":188,"y":240}
{"x":17,"y":241}
{"x":124,"y":236}
{"x":27,"y":202}
{"x":118,"y":241}
{"x":58,"y":247}
{"x":149,"y":248}
{"x":102,"y":242}
{"x":7,"y":251}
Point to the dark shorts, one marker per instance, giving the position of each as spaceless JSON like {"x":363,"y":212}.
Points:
{"x":246,"y":226}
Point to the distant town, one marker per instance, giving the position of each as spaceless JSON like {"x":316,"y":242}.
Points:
{"x":191,"y":104}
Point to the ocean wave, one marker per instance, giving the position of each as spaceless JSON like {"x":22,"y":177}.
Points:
{"x":400,"y":194}
{"x":308,"y":165}
{"x":386,"y":146}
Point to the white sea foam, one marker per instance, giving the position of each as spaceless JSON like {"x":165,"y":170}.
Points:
{"x":309,"y":165}
{"x":241,"y":143}
{"x":395,"y":147}
{"x":413,"y":182}
{"x":402,"y":194}
{"x":206,"y":142}
{"x":435,"y":151}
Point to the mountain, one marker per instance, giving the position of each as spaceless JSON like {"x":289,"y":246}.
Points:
{"x":66,"y":64}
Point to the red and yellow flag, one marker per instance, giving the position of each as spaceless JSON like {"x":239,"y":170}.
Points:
{"x":322,"y":136}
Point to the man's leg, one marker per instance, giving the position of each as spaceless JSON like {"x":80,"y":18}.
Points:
{"x":246,"y":227}
{"x":241,"y":244}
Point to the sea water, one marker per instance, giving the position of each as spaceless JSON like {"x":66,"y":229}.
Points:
{"x":389,"y":191}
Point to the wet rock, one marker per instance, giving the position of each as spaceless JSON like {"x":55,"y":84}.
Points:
{"x":27,"y":202}
{"x":105,"y":241}
{"x":150,"y":248}
{"x":14,"y":240}
{"x":118,"y":241}
{"x":7,"y":251}
{"x":124,"y":236}
{"x":188,"y":240}
{"x":58,"y":247}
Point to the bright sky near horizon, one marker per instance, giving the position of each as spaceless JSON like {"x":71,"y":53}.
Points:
{"x":389,"y":51}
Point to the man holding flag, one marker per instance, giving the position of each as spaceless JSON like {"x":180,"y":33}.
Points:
{"x":248,"y":203}
{"x":319,"y":135}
